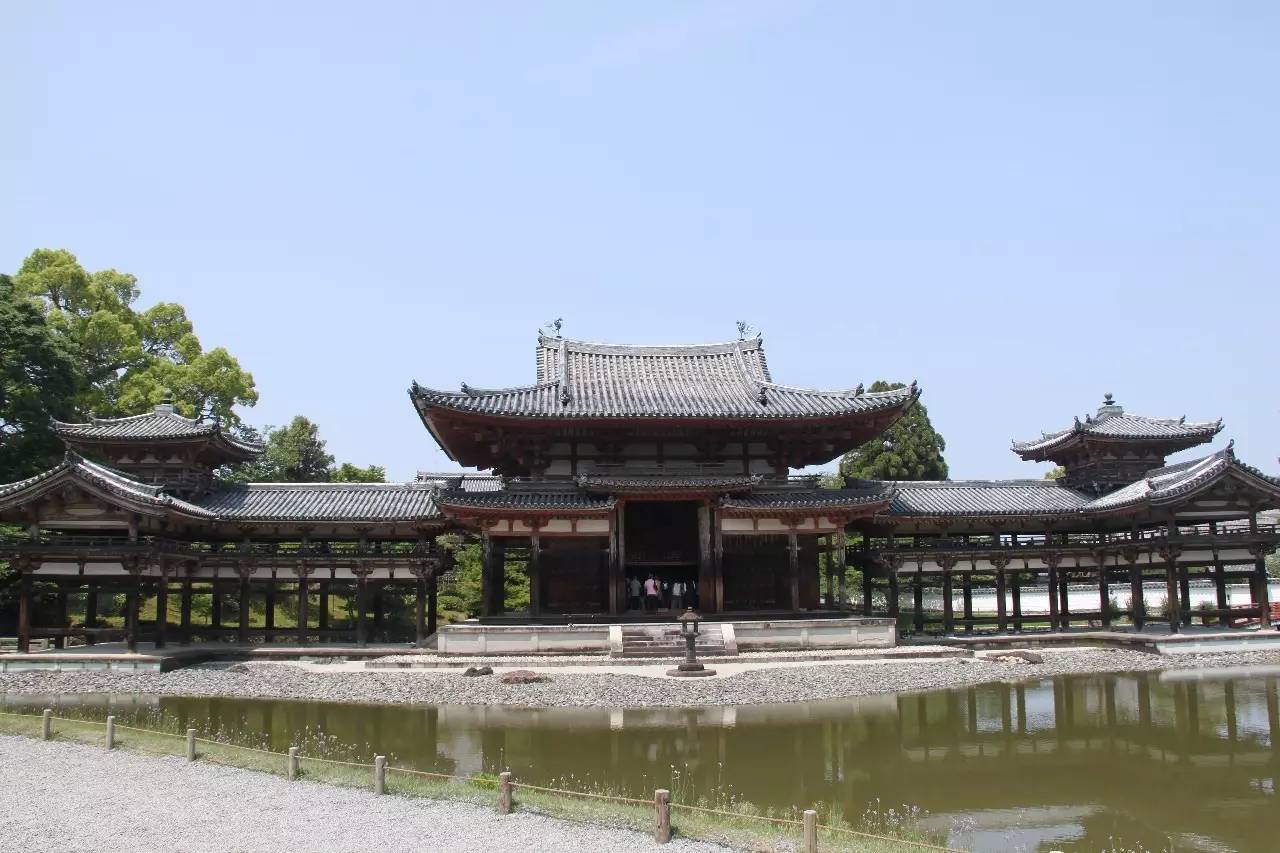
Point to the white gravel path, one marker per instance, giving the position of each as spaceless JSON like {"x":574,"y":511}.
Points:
{"x":69,"y":797}
{"x":794,"y":682}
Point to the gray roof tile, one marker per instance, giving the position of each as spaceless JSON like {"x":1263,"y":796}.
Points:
{"x":985,"y":498}
{"x":349,"y":502}
{"x":588,"y":380}
{"x":161,"y":424}
{"x":1112,"y":422}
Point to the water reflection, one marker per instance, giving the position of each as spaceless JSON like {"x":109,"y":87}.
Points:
{"x":1142,"y":761}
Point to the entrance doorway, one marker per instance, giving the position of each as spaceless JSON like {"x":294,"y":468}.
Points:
{"x":661,"y":555}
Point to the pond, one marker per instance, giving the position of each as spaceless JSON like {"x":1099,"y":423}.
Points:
{"x":1179,"y":760}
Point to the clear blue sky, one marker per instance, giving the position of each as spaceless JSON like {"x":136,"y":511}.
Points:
{"x":1020,"y":205}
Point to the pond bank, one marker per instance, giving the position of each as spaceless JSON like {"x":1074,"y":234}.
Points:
{"x":790,"y":682}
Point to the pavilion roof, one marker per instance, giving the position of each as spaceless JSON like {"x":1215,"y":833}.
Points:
{"x":1173,"y":482}
{"x":467,"y":481}
{"x":865,"y":493}
{"x":108,"y":481}
{"x":526,"y":500}
{"x":1112,"y":423}
{"x":323,"y":502}
{"x":580,"y":380}
{"x":985,"y":498}
{"x":159,"y":425}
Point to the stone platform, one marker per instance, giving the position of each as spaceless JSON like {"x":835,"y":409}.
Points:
{"x":783,"y":634}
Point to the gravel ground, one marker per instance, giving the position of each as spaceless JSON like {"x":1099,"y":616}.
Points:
{"x":204,"y":807}
{"x":784,"y":683}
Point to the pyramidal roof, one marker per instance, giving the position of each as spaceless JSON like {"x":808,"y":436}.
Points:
{"x":162,"y":424}
{"x":1113,"y":423}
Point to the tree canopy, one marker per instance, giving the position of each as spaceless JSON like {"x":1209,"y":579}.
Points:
{"x":38,"y":381}
{"x":128,"y":358}
{"x":911,"y":449}
{"x":296,"y":454}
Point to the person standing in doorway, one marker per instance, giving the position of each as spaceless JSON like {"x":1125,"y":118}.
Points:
{"x":651,"y":594}
{"x":633,"y":593}
{"x":677,"y":595}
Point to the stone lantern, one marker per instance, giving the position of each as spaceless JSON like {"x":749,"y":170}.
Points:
{"x":689,"y":621}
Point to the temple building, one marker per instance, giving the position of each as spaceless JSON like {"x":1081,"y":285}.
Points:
{"x":623,"y":471}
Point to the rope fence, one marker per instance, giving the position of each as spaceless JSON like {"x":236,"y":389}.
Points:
{"x":506,"y":786}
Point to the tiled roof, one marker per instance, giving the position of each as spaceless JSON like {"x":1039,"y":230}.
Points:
{"x":985,"y":498}
{"x":557,"y":500}
{"x":728,"y":380}
{"x":162,"y":424}
{"x":666,"y":482}
{"x":468,"y":481}
{"x":342,"y":502}
{"x":1163,"y":485}
{"x":865,"y":493}
{"x":1112,"y":422}
{"x":74,"y":466}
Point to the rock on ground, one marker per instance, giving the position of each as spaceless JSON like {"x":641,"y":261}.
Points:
{"x":69,"y":798}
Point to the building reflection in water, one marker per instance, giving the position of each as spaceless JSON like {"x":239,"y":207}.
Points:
{"x":1140,"y":759}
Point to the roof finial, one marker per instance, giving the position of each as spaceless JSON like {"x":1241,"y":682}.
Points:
{"x":1108,"y":399}
{"x":1231,"y":449}
{"x":858,"y":392}
{"x":743,"y":328}
{"x":554,"y":326}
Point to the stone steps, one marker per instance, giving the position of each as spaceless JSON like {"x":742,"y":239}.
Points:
{"x":664,"y":641}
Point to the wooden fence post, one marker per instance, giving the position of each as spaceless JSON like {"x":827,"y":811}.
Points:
{"x":191,"y":744}
{"x":46,"y":724}
{"x":111,"y":732}
{"x":379,"y":774}
{"x":504,"y":792}
{"x":810,"y":831}
{"x":292,"y":771}
{"x":662,"y":816}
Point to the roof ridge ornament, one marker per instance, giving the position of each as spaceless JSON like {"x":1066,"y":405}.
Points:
{"x":1231,"y":449}
{"x":554,"y":326}
{"x":565,"y":396}
{"x":860,"y":390}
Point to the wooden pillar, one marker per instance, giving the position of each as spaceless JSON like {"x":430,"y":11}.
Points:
{"x":184,"y":609}
{"x":322,"y":618}
{"x":269,"y":618}
{"x":793,"y":569}
{"x":432,"y":586}
{"x":894,"y":607}
{"x":162,"y":607}
{"x":867,"y":588}
{"x":486,"y":574}
{"x":966,"y":590}
{"x":717,"y":590}
{"x":1104,"y":591}
{"x":535,"y":577}
{"x":1184,"y":593}
{"x":1064,"y":598}
{"x":706,"y":547}
{"x":242,"y":629}
{"x":24,"y":611}
{"x":1002,"y":616}
{"x":60,"y":612}
{"x":1015,"y":594}
{"x":420,"y":609}
{"x":841,"y":558}
{"x":362,"y":582}
{"x":948,"y":606}
{"x":215,"y":602}
{"x":829,"y":561}
{"x":617,"y":575}
{"x":1051,"y":580}
{"x":1171,"y":588}
{"x":1262,"y":587}
{"x":917,"y":593}
{"x":90,"y":611}
{"x":131,"y":610}
{"x":303,"y":605}
{"x":379,"y":604}
{"x":1137,"y":604}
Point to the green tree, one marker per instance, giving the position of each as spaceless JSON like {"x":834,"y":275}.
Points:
{"x":911,"y":449}
{"x":1057,"y":472}
{"x":38,"y":381}
{"x":291,"y":454}
{"x":348,"y":473}
{"x":129,"y":358}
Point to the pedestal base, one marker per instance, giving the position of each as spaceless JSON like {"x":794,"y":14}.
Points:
{"x":690,"y":670}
